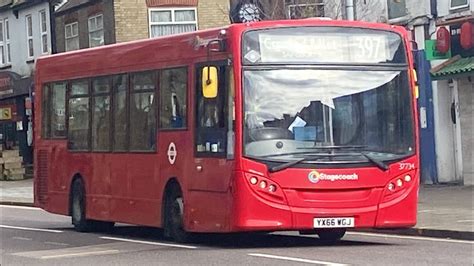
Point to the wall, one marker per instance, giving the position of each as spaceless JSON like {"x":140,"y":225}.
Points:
{"x":21,"y":64}
{"x":213,"y":13}
{"x":131,"y":20}
{"x":81,"y":16}
{"x":443,"y":7}
{"x":466,"y":110}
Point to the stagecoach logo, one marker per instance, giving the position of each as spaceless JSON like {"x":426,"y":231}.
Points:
{"x":315,"y":176}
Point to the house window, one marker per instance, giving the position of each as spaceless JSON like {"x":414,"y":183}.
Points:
{"x":2,"y":45}
{"x":72,"y":36}
{"x":7,"y":42}
{"x":96,"y":31}
{"x":457,"y":4}
{"x":315,"y":9}
{"x":172,"y":21}
{"x":44,"y":32}
{"x":396,"y":9}
{"x":29,"y":36}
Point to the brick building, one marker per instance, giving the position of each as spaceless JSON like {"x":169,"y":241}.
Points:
{"x":88,"y":23}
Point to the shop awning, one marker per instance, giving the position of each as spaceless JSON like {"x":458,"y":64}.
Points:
{"x":458,"y":67}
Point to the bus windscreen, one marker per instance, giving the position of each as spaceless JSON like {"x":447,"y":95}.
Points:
{"x":320,"y":45}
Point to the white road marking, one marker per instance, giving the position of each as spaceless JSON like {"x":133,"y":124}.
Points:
{"x":22,"y":238}
{"x":20,"y":207}
{"x":413,"y":238}
{"x":30,"y":229}
{"x":465,"y":221}
{"x":295,"y":259}
{"x":56,"y":243}
{"x":98,"y":252}
{"x":148,"y":242}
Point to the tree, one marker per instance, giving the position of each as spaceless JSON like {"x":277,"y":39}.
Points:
{"x":367,"y":10}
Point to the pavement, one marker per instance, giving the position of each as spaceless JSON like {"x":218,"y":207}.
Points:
{"x":444,"y":211}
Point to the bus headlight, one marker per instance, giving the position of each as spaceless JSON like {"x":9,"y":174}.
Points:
{"x":399,"y":183}
{"x":391,"y":187}
{"x":253,"y":180}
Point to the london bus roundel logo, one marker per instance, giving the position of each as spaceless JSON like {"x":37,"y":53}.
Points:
{"x":313,"y":176}
{"x":172,"y":153}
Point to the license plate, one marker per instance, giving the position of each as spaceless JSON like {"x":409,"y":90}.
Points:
{"x":333,"y":222}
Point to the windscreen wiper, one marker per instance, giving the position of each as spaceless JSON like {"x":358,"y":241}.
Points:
{"x":335,"y":147}
{"x":283,"y":166}
{"x":380,"y":164}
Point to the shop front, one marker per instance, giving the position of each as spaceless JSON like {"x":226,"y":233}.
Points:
{"x":455,"y":82}
{"x":16,"y":130}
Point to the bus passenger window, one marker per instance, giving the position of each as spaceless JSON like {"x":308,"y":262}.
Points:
{"x":79,"y":113}
{"x":46,"y":112}
{"x":173,"y":89}
{"x":120,"y":112}
{"x":143,"y":112}
{"x":58,"y":114}
{"x":101,"y":114}
{"x":211,"y":119}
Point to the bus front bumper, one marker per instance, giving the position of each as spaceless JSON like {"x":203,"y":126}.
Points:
{"x":253,"y":211}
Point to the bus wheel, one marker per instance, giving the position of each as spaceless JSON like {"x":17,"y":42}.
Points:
{"x":78,"y":211}
{"x":331,"y":235}
{"x":174,"y":216}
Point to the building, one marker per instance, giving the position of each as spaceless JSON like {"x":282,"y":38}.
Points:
{"x":24,"y":36}
{"x":453,"y":92}
{"x":89,"y":23}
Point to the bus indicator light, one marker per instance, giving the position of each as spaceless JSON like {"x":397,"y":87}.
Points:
{"x":263,"y":184}
{"x":407,"y":178}
{"x":272,"y":188}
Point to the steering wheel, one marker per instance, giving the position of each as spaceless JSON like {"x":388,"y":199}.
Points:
{"x":268,"y":133}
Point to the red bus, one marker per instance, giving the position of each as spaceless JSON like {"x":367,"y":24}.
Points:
{"x":305,"y":125}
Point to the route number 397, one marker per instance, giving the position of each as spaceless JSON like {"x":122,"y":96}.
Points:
{"x":406,"y":166}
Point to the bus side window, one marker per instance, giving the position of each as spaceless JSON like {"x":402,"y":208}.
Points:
{"x":173,"y":91}
{"x":143,"y":111}
{"x":79,"y":114}
{"x":211,"y":119}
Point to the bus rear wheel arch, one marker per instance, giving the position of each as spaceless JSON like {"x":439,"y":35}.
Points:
{"x":78,"y":209}
{"x":173,"y":213}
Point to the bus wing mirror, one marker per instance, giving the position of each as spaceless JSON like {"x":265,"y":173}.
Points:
{"x":209,"y":82}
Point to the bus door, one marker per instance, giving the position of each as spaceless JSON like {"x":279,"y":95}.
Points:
{"x":213,"y":142}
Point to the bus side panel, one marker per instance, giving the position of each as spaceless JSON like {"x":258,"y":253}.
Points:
{"x":208,"y":211}
{"x":119,"y":188}
{"x":98,"y":192}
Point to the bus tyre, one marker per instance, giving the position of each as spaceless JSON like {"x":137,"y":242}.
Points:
{"x":331,"y":235}
{"x":78,"y":208}
{"x":174,"y":216}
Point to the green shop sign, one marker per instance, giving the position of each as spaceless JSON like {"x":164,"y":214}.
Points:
{"x":432,"y":53}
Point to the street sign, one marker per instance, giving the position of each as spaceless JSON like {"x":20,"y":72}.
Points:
{"x":5,"y":113}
